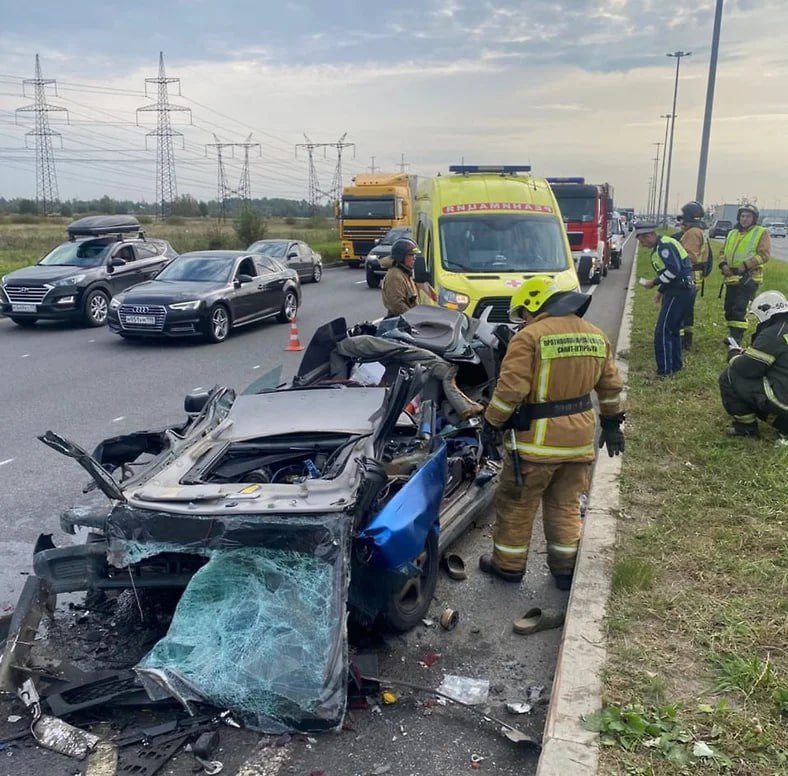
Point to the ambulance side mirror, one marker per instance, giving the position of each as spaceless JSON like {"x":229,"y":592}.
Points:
{"x":420,"y":274}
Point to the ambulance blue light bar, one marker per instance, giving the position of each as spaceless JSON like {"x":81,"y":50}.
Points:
{"x":565,"y":180}
{"x":464,"y":169}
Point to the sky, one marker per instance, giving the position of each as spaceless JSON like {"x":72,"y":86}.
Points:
{"x":573,"y":87}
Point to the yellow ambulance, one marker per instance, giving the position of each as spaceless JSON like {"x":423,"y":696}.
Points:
{"x":483,"y":230}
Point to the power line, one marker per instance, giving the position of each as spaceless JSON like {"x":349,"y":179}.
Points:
{"x":225,"y":191}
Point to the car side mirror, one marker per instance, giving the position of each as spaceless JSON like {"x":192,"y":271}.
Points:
{"x":292,"y":255}
{"x":241,"y":279}
{"x":420,"y":274}
{"x":116,"y":261}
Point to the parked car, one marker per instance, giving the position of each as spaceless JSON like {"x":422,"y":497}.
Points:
{"x":295,"y":254}
{"x":720,"y":228}
{"x":278,"y":510}
{"x":616,"y":238}
{"x":378,"y":259}
{"x":76,"y":280}
{"x":777,"y":229}
{"x":207,"y":293}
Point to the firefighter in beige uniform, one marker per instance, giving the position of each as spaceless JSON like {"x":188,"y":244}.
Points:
{"x":543,"y":399}
{"x":399,"y":292}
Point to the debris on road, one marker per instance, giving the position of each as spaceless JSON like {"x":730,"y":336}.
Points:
{"x":449,"y":619}
{"x":465,"y":689}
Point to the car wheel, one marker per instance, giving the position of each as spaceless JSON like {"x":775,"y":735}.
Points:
{"x":373,"y":281}
{"x":615,"y":262}
{"x":289,"y":308}
{"x":317,"y":273}
{"x":410,"y":603}
{"x":94,"y":312}
{"x":218,"y":324}
{"x":25,"y":322}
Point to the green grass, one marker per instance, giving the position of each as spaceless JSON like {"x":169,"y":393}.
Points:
{"x":25,"y":239}
{"x":698,"y":616}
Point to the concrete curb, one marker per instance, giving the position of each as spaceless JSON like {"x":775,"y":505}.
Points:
{"x":567,"y":747}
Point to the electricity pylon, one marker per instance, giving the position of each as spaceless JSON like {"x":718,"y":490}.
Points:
{"x":166,"y":186}
{"x":225,"y":191}
{"x":46,"y":178}
{"x":335,"y":190}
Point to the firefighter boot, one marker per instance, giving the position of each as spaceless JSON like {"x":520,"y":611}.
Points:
{"x":739,"y":429}
{"x":488,"y":567}
{"x":563,"y":581}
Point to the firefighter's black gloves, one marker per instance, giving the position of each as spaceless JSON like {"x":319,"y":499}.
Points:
{"x":612,"y":436}
{"x":491,"y":441}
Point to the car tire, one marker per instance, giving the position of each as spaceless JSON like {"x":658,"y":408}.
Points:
{"x":407,"y":606}
{"x":289,"y":307}
{"x":218,"y":324}
{"x":615,"y":262}
{"x":25,"y":323}
{"x":317,"y":273}
{"x":95,"y":308}
{"x":373,"y":281}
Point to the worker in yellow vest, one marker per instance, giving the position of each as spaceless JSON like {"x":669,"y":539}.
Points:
{"x":747,"y":248}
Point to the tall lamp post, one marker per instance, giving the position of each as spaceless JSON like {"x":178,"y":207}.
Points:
{"x":667,"y":117}
{"x":704,"y":143}
{"x":654,"y":205}
{"x":678,"y":56}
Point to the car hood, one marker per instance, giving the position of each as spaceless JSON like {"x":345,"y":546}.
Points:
{"x":380,"y":251}
{"x":39,"y":274}
{"x":165,"y":291}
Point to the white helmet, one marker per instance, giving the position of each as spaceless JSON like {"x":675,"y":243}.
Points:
{"x":767,"y":305}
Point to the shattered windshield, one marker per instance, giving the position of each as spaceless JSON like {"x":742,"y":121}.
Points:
{"x":505,"y":242}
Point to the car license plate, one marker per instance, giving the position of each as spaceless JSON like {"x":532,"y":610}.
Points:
{"x":141,"y":320}
{"x":24,"y":308}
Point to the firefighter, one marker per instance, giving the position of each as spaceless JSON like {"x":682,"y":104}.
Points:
{"x":747,"y":248}
{"x":676,"y":289}
{"x":543,"y":401}
{"x":755,"y":384}
{"x":696,"y":244}
{"x":399,"y":291}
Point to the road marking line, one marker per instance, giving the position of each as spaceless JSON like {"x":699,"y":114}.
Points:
{"x":26,"y":355}
{"x":7,"y":460}
{"x":116,"y":420}
{"x":359,"y":282}
{"x":257,"y":366}
{"x":198,"y":388}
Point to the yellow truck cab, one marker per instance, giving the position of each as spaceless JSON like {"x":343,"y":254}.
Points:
{"x":483,"y":231}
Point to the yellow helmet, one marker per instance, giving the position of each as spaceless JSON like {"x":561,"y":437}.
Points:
{"x":531,"y":296}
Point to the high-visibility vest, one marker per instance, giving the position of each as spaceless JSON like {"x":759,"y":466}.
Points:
{"x":740,"y":246}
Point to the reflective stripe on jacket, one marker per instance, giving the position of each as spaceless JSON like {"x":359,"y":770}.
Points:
{"x":672,"y":265}
{"x":766,"y":360}
{"x":555,"y":359}
{"x":753,"y":245}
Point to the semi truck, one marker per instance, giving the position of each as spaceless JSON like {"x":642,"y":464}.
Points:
{"x":586,"y":208}
{"x":373,"y":204}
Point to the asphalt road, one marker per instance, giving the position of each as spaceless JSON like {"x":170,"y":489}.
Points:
{"x":88,"y":384}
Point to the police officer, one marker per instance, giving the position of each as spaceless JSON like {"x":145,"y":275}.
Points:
{"x":747,"y":248}
{"x":543,"y":399}
{"x":676,"y":289}
{"x":755,"y":384}
{"x":398,"y":290}
{"x":696,"y":244}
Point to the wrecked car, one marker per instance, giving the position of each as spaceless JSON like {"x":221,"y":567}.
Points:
{"x":281,"y":509}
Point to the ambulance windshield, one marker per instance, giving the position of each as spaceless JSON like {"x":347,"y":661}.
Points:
{"x":502,"y":242}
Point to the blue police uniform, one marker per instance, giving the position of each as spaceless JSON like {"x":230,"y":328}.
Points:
{"x":675,"y":283}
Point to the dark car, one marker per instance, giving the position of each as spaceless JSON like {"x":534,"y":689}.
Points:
{"x":720,"y":228}
{"x":378,"y":261}
{"x":76,"y":280}
{"x":295,"y":254}
{"x":207,"y":293}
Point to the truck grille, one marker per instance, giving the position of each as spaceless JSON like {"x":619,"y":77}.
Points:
{"x":34,"y":294}
{"x":154,"y":311}
{"x":364,"y":232}
{"x":500,"y":308}
{"x":575,"y":239}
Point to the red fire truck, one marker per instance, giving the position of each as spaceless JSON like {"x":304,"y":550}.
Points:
{"x":585,"y":208}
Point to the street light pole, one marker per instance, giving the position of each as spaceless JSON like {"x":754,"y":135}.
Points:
{"x":678,"y":56}
{"x":656,"y":165}
{"x":700,"y":190}
{"x":667,"y":117}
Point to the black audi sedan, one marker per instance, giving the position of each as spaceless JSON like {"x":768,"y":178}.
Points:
{"x":207,"y":293}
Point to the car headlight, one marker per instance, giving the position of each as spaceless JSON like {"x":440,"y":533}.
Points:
{"x":193,"y":305}
{"x":452,"y":300}
{"x":114,"y":303}
{"x":71,"y":280}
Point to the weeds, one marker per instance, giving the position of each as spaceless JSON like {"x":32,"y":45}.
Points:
{"x":698,"y":616}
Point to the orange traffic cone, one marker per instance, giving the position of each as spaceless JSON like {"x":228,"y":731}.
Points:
{"x":295,"y":343}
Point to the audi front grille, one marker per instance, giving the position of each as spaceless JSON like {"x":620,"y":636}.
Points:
{"x":136,"y":311}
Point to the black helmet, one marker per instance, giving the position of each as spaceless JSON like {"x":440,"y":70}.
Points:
{"x":748,"y":208}
{"x":692,"y":212}
{"x":402,"y":248}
